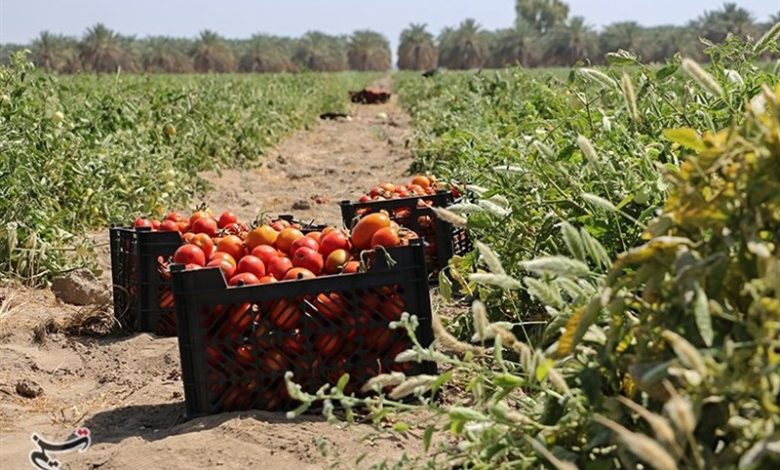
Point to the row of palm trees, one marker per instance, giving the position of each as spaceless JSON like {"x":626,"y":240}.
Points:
{"x":543,"y":35}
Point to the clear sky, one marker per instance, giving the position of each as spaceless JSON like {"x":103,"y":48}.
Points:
{"x":22,"y":20}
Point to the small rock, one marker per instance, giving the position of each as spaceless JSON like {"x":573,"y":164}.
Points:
{"x":80,"y":287}
{"x":321,"y":200}
{"x":301,"y":205}
{"x":29,"y":388}
{"x":281,"y":160}
{"x":176,"y":394}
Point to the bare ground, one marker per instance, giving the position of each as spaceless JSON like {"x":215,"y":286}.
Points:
{"x":128,"y":390}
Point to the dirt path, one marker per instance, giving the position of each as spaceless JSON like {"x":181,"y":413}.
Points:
{"x":128,"y":391}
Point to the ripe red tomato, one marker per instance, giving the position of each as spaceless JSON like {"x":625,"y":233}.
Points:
{"x":203,"y":242}
{"x":284,"y":314}
{"x":244,"y":279}
{"x":298,"y":273}
{"x":192,"y":267}
{"x":351,"y":267}
{"x":228,"y":268}
{"x":308,"y":258}
{"x":315,"y":236}
{"x":233,"y":246}
{"x":334,"y":240}
{"x":367,"y":227}
{"x":364,"y":199}
{"x":387,"y":237}
{"x":268,"y":279}
{"x":155,"y":224}
{"x":226,"y":218}
{"x":142,"y":223}
{"x":328,"y":344}
{"x":232,"y":229}
{"x":222,"y":256}
{"x":199,"y":215}
{"x":280,"y":225}
{"x":286,"y":238}
{"x":251,"y":264}
{"x":175,"y":217}
{"x":205,"y":225}
{"x":169,"y":226}
{"x":266,"y":253}
{"x":189,"y":254}
{"x":336,"y":261}
{"x":279,"y":266}
{"x":305,"y":241}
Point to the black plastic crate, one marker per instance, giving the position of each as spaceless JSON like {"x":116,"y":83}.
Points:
{"x":442,"y":240}
{"x":237,"y":343}
{"x":143,"y":299}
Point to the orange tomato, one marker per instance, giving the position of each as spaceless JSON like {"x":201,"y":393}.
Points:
{"x":366,"y":228}
{"x":233,"y":246}
{"x":351,"y":267}
{"x":315,"y":236}
{"x":295,"y":274}
{"x":387,"y":237}
{"x":286,"y":238}
{"x":203,"y":242}
{"x":422,"y":181}
{"x":263,"y":235}
{"x":336,"y":261}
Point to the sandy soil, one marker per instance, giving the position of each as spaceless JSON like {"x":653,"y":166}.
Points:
{"x":128,"y":390}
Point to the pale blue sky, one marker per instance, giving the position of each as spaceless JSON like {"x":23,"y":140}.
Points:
{"x":22,"y":20}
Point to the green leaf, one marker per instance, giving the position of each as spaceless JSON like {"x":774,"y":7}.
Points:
{"x":342,"y":383}
{"x":443,"y":378}
{"x":666,"y":71}
{"x":466,"y":414}
{"x":427,"y":436}
{"x":701,"y":311}
{"x":543,"y":369}
{"x":507,"y":380}
{"x":445,"y":285}
{"x":620,"y":57}
{"x":686,"y":137}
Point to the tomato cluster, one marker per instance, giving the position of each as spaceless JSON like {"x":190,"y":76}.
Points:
{"x":419,"y":186}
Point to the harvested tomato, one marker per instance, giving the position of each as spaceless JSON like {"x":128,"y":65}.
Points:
{"x":205,"y":225}
{"x":284,"y":314}
{"x":239,"y":319}
{"x":203,"y":241}
{"x":142,"y":223}
{"x":189,"y":254}
{"x":422,"y":181}
{"x":334,"y":240}
{"x":328,"y":344}
{"x":387,"y":237}
{"x":221,"y":255}
{"x":263,"y":235}
{"x":286,"y":238}
{"x":244,"y":279}
{"x":155,"y":224}
{"x":244,"y":355}
{"x":251,"y":264}
{"x":273,"y":361}
{"x":233,"y":246}
{"x":351,"y":267}
{"x":169,"y":226}
{"x":279,"y":266}
{"x":228,"y":268}
{"x":308,"y":258}
{"x":336,"y":261}
{"x":265,"y":253}
{"x":302,"y":242}
{"x":268,"y":279}
{"x":199,"y":215}
{"x":298,"y":273}
{"x":175,"y":217}
{"x":315,"y":236}
{"x":226,"y":218}
{"x":366,"y":228}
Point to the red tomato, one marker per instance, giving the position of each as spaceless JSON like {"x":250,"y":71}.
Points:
{"x":284,"y":314}
{"x":169,"y":226}
{"x":273,"y":361}
{"x":266,"y":253}
{"x":364,"y":199}
{"x":228,"y":268}
{"x":351,"y":267}
{"x":305,"y":241}
{"x":221,"y":255}
{"x":286,"y":238}
{"x":203,"y":242}
{"x":189,"y":254}
{"x":244,"y":355}
{"x":192,"y":267}
{"x":279,"y":266}
{"x":333,"y":241}
{"x":328,"y":344}
{"x":244,"y":279}
{"x":184,"y":226}
{"x":280,"y":225}
{"x":295,"y":274}
{"x":268,"y":279}
{"x":142,"y":223}
{"x":232,"y":229}
{"x":309,"y":259}
{"x":251,"y":264}
{"x":315,"y":236}
{"x":155,"y":224}
{"x":336,"y":261}
{"x":227,"y":218}
{"x":199,"y":215}
{"x":205,"y":225}
{"x":175,"y":217}
{"x":375,"y":191}
{"x":233,"y":246}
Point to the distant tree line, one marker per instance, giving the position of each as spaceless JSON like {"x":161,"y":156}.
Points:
{"x":543,"y":35}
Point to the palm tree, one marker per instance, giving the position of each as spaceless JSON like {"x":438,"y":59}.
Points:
{"x":716,"y":25}
{"x":542,"y":15}
{"x":101,"y":51}
{"x":625,"y":35}
{"x":165,"y":55}
{"x":569,"y":43}
{"x":514,"y":46}
{"x":56,"y":53}
{"x":662,"y":42}
{"x":369,"y":50}
{"x":321,"y":52}
{"x":268,"y":54}
{"x":416,"y":49}
{"x":463,"y":48}
{"x":212,"y":54}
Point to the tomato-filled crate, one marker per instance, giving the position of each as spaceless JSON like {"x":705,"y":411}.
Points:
{"x":236,"y":343}
{"x":143,"y":299}
{"x":441,"y":239}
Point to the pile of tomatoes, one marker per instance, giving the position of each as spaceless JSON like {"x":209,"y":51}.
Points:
{"x":419,"y":186}
{"x":274,"y":251}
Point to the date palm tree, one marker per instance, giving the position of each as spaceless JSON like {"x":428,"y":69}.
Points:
{"x":716,"y":25}
{"x":417,"y":49}
{"x":624,"y":35}
{"x":56,"y":53}
{"x":465,"y":47}
{"x":165,"y":55}
{"x":571,"y":42}
{"x":101,"y":51}
{"x":212,"y":54}
{"x":321,"y":52}
{"x":368,"y":50}
{"x":268,"y":54}
{"x":514,"y":46}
